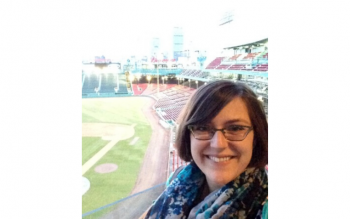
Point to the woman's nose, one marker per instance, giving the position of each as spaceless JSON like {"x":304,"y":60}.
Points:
{"x":218,"y":140}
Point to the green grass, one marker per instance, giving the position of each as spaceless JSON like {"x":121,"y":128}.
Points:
{"x":109,"y":187}
{"x":122,"y":110}
{"x":90,"y":146}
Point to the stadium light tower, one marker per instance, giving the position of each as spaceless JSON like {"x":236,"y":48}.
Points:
{"x":160,"y":56}
{"x":181,"y":79}
{"x":149,"y":79}
{"x":158,"y":78}
{"x":131,"y":78}
{"x":138,"y":76}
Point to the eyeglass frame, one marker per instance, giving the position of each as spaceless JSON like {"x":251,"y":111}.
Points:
{"x":213,"y":130}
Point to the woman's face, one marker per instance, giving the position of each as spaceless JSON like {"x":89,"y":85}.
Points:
{"x":219,"y":159}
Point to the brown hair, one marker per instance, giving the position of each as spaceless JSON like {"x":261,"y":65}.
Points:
{"x":208,"y":101}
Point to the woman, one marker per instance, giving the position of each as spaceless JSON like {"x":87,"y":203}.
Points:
{"x":223,"y":133}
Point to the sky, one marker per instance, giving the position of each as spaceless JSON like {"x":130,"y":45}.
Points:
{"x":119,"y":29}
{"x":116,"y":29}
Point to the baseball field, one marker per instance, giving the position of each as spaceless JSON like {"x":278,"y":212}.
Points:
{"x":115,"y":137}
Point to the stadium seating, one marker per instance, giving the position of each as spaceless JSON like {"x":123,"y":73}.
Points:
{"x":108,"y":83}
{"x":223,"y":66}
{"x":237,"y":67}
{"x":235,"y":57}
{"x":172,"y":113}
{"x":261,"y":67}
{"x":171,"y":102}
{"x":216,"y":62}
{"x":193,"y":73}
{"x":251,"y":55}
{"x":122,"y":88}
{"x":90,"y":83}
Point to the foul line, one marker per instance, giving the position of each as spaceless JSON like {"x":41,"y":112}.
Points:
{"x":98,"y":156}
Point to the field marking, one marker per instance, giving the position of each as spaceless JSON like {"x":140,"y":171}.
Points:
{"x":86,"y":185}
{"x":98,"y":156}
{"x":134,"y":141}
{"x":112,"y":132}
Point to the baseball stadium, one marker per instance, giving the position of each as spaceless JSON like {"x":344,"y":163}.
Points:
{"x":129,"y":117}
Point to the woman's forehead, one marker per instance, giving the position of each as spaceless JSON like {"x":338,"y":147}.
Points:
{"x":235,"y":111}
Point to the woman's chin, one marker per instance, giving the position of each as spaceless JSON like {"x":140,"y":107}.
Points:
{"x":217,"y":181}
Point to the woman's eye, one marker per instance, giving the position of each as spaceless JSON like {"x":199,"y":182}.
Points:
{"x":202,"y":128}
{"x":235,"y":128}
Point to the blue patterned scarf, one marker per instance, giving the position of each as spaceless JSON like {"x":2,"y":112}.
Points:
{"x":240,"y":198}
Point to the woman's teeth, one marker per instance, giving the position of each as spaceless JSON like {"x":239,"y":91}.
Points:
{"x":221,"y":159}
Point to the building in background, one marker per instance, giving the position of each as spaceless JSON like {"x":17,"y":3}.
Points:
{"x":178,"y":42}
{"x":155,"y":47}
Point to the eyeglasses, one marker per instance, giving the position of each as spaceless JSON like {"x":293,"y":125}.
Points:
{"x":231,"y":132}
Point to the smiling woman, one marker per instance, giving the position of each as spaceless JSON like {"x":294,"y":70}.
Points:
{"x":223,"y":134}
{"x":226,"y":154}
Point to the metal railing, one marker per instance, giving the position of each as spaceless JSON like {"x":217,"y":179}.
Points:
{"x":130,"y":207}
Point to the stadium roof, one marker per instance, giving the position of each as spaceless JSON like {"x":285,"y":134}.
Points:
{"x":249,"y":44}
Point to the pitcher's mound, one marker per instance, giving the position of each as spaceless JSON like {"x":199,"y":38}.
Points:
{"x":106,"y":168}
